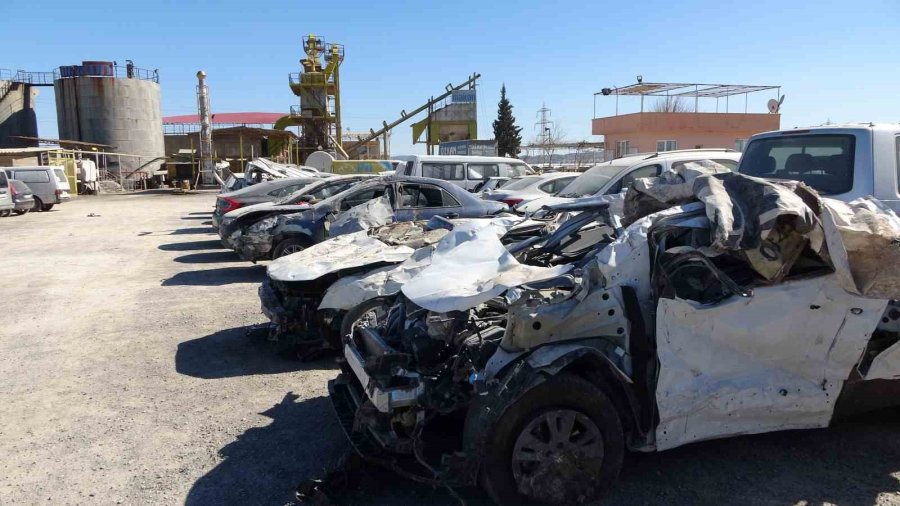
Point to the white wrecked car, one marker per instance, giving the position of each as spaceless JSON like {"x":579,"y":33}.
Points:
{"x":308,"y":295}
{"x":748,"y":307}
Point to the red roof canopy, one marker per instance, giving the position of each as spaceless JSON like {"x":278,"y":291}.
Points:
{"x":232,"y":118}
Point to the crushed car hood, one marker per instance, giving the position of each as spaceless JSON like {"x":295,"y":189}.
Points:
{"x":350,"y":291}
{"x":342,"y":252}
{"x":468,"y":267}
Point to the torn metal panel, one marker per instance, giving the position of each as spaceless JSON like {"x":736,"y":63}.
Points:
{"x":672,"y":187}
{"x":374,"y":213}
{"x":545,"y":316}
{"x":342,"y":252}
{"x":886,"y":365}
{"x":774,"y":361}
{"x":351,"y":291}
{"x":469,"y":267}
{"x":626,"y":261}
{"x":864,"y":242}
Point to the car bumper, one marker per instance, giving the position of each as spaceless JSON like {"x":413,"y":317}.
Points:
{"x":24,"y":204}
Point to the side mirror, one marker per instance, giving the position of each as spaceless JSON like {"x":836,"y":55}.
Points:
{"x":305,"y":198}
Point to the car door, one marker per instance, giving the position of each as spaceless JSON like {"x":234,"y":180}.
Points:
{"x":421,"y":201}
{"x":625,"y":180}
{"x":772,"y":359}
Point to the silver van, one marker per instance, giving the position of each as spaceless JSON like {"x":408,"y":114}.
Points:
{"x":49,"y":184}
{"x":465,"y":171}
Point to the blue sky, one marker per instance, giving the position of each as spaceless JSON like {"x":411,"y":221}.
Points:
{"x":834,"y":61}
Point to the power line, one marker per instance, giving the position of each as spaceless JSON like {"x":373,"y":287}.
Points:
{"x":545,"y":132}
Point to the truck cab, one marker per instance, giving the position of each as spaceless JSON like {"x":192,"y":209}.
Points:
{"x":844,"y":162}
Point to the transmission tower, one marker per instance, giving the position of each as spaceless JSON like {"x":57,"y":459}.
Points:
{"x":545,"y":132}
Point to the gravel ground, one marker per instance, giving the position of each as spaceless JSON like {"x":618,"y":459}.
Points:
{"x":132,"y":373}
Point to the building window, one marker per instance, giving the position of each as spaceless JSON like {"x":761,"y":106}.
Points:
{"x":622,"y":148}
{"x":740,"y":144}
{"x":666,"y":146}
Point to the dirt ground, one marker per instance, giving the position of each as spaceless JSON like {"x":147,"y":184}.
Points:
{"x":132,"y":372}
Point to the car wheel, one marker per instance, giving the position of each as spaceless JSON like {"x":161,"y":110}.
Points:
{"x":367,"y":314}
{"x":20,"y":212}
{"x":4,"y":213}
{"x":38,"y":205}
{"x":46,"y":207}
{"x":559,"y":443}
{"x":288,"y":247}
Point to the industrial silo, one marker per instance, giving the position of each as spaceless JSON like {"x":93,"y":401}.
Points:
{"x":119,"y":106}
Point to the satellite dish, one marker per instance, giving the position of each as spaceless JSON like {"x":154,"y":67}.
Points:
{"x":775,"y":105}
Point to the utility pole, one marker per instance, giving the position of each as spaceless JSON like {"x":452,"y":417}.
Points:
{"x":545,"y":131}
{"x":207,"y":166}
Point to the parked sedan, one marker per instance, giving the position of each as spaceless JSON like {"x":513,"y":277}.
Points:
{"x":262,"y":192}
{"x":22,"y":196}
{"x":528,"y":188}
{"x":299,"y":200}
{"x":379,"y":201}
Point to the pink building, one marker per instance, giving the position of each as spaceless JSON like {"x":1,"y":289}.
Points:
{"x":676,"y":121}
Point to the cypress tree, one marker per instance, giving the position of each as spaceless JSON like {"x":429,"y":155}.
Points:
{"x":506,"y":133}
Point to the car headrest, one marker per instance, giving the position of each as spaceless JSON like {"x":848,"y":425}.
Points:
{"x":799,"y":163}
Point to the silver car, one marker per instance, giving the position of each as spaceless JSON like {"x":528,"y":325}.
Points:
{"x":527,"y":188}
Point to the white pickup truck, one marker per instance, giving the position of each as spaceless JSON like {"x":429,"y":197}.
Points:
{"x":844,"y":162}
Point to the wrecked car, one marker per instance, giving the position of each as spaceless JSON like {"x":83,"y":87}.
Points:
{"x":313,"y":296}
{"x":745,"y":306}
{"x":368,"y":204}
{"x":288,"y":200}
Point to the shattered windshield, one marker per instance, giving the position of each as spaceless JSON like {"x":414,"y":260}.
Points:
{"x":824,"y":162}
{"x":293,"y":197}
{"x":591,"y":181}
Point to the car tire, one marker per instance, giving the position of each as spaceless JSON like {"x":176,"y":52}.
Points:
{"x":519,"y":468}
{"x":380,"y":305}
{"x":288,"y":247}
{"x":46,"y":207}
{"x":4,"y":213}
{"x":20,"y":212}
{"x":38,"y":205}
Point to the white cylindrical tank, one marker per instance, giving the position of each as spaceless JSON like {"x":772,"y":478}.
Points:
{"x":118,"y":106}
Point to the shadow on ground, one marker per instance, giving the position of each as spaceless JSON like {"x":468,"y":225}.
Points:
{"x":855,"y":462}
{"x":218,"y":277}
{"x":204,"y":213}
{"x":209,"y":257}
{"x":192,"y":245}
{"x":263,"y":464}
{"x":200,"y":216}
{"x":192,"y":230}
{"x":240,"y":351}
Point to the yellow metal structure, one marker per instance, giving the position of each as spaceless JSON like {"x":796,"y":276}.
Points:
{"x":65,"y":159}
{"x":319,"y":88}
{"x":360,"y":166}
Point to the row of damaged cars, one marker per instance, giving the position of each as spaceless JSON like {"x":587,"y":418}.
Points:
{"x":528,"y":356}
{"x":338,"y":205}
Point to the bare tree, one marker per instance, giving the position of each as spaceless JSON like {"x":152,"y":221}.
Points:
{"x":548,"y":139}
{"x":670,"y":104}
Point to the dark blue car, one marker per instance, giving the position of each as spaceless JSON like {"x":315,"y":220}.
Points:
{"x":392,"y":198}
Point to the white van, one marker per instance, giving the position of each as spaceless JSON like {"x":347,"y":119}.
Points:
{"x":49,"y":184}
{"x":465,"y":171}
